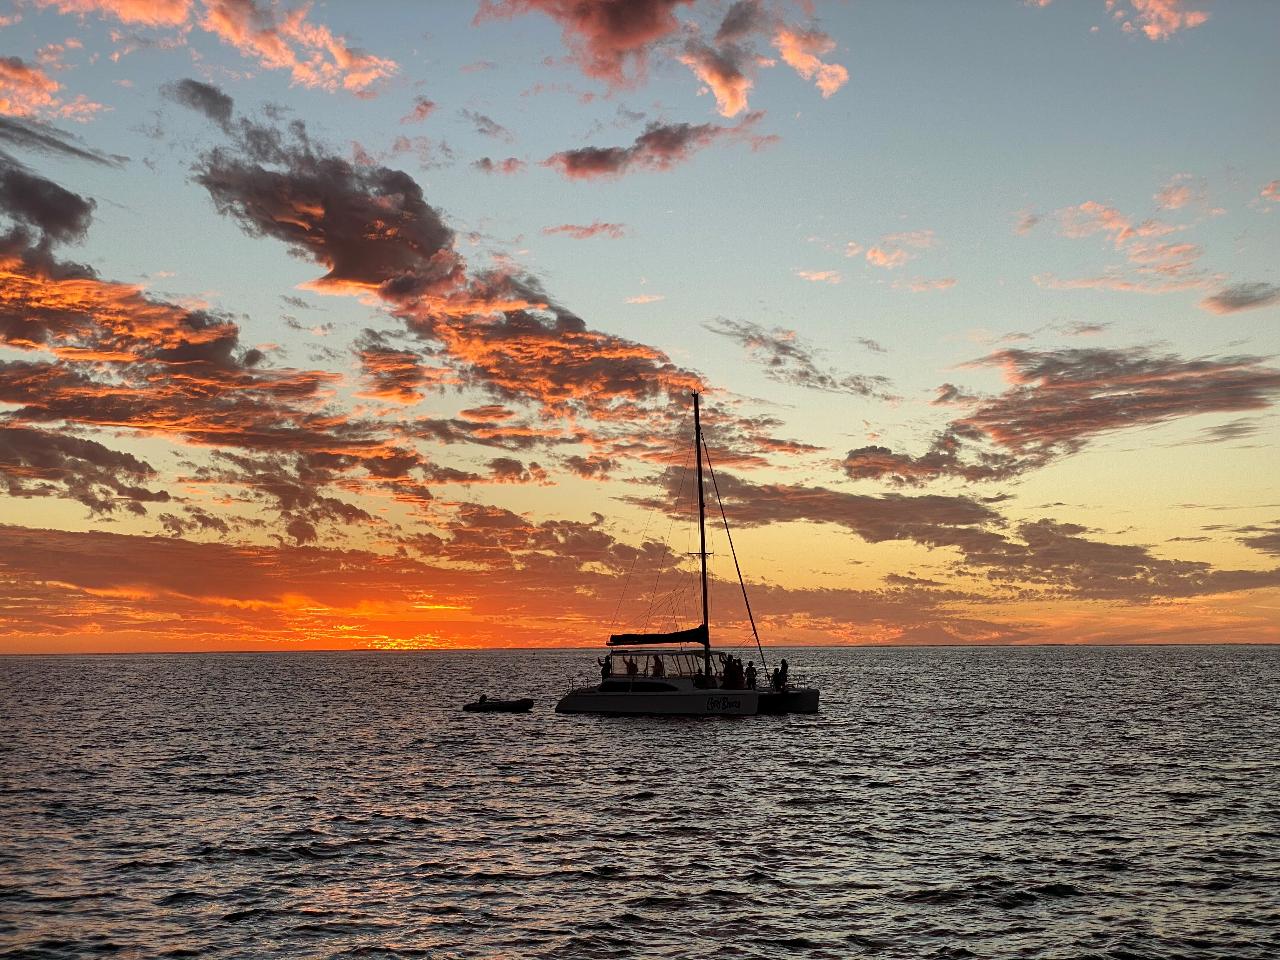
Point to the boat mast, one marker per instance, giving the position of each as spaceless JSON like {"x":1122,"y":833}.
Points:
{"x":702,"y":538}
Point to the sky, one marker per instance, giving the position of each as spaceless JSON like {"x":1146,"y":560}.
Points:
{"x":340,"y":325}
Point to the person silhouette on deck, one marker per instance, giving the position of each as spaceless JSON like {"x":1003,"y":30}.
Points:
{"x":751,"y":676}
{"x":606,"y":667}
{"x":782,"y":671}
{"x":658,"y":669}
{"x":633,"y":668}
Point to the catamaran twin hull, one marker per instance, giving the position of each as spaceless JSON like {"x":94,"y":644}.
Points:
{"x":688,"y":703}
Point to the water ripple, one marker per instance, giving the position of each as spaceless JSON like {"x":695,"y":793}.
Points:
{"x":948,"y":803}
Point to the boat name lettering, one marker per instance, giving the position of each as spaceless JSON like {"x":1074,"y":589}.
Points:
{"x":716,"y":704}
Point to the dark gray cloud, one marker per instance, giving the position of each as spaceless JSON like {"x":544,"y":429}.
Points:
{"x":1242,"y":296}
{"x":660,"y":147}
{"x":486,"y":126}
{"x":932,"y":520}
{"x":1264,"y":538}
{"x":56,"y":212}
{"x":202,"y":97}
{"x":742,"y":19}
{"x":38,"y":463}
{"x":369,"y":225}
{"x":1057,"y":560}
{"x":952,"y":453}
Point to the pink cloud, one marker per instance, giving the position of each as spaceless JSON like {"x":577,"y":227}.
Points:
{"x":422,"y":108}
{"x":1116,"y":282}
{"x":802,"y":49}
{"x":1181,"y":190}
{"x":1027,"y":220}
{"x":923,"y":285}
{"x":614,"y":231}
{"x":1156,"y":19}
{"x":889,"y":259}
{"x":722,"y":74}
{"x":1161,"y":19}
{"x":1092,"y":217}
{"x":820,"y":276}
{"x":646,"y":298}
{"x":1271,"y":191}
{"x":917,"y":239}
{"x":509,"y":166}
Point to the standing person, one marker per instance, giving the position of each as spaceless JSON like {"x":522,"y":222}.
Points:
{"x":783,"y":671}
{"x":606,"y":668}
{"x":751,"y":676}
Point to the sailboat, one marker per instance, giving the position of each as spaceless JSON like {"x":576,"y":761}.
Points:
{"x":677,"y":673}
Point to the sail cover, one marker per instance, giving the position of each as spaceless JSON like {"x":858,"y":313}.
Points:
{"x":696,"y":634}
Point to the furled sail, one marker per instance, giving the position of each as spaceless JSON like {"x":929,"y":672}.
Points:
{"x":696,"y":634}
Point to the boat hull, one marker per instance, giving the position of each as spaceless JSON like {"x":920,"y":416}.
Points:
{"x":799,"y":700}
{"x":684,"y":703}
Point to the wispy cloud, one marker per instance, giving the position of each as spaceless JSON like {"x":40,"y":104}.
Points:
{"x":787,"y":358}
{"x":597,"y":228}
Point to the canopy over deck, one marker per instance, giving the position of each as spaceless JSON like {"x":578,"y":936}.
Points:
{"x":698,"y":634}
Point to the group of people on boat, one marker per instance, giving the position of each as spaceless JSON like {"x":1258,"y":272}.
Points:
{"x":738,"y":677}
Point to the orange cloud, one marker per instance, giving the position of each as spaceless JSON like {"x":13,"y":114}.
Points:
{"x":27,"y":90}
{"x":150,"y":13}
{"x":310,"y":52}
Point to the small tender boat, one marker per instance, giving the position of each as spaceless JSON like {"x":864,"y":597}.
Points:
{"x":485,"y":705}
{"x":688,"y":681}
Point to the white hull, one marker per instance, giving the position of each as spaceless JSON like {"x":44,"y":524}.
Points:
{"x":688,"y":703}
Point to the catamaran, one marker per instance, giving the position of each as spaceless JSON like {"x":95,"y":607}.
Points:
{"x":691,"y":679}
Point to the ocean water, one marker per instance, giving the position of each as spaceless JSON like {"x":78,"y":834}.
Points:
{"x":947,"y":802}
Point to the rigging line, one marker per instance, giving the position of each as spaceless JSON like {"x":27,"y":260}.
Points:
{"x":657,"y":577}
{"x":742,"y":583}
{"x":627,"y":582}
